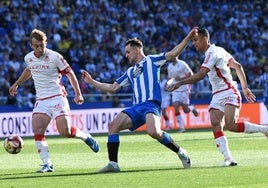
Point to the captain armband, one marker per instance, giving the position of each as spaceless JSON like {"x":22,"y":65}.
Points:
{"x":66,"y":71}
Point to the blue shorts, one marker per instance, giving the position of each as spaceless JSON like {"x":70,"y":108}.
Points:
{"x":265,"y":100}
{"x":137,"y":112}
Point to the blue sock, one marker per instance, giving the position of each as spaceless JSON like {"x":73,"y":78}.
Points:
{"x":166,"y":139}
{"x":113,"y":138}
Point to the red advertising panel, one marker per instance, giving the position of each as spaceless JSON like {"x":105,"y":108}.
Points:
{"x":249,"y":112}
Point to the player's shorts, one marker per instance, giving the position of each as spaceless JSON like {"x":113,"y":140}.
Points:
{"x":219,"y":100}
{"x":53,"y":107}
{"x":181,"y":96}
{"x":137,"y":113}
{"x":265,"y":100}
{"x":165,"y":101}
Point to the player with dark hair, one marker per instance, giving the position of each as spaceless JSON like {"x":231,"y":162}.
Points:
{"x":226,"y":101}
{"x":143,"y":77}
{"x":46,"y":67}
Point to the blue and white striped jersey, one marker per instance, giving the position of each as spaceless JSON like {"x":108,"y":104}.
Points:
{"x":263,"y":81}
{"x":144,"y":78}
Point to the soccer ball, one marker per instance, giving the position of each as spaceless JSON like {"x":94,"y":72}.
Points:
{"x":13,"y":144}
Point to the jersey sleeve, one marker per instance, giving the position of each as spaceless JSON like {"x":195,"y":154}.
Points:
{"x":158,"y":59}
{"x":125,"y":80}
{"x":62,"y":64}
{"x":209,"y":61}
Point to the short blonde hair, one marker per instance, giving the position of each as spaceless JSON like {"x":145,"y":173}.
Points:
{"x":38,"y":35}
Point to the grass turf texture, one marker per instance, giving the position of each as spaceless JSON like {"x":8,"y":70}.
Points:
{"x":143,"y":162}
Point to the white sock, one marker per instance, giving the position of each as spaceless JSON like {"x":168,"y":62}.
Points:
{"x":42,"y":148}
{"x":191,"y":107}
{"x":180,"y":121}
{"x":168,"y":123}
{"x":223,"y":147}
{"x":255,"y":128}
{"x":80,"y":134}
{"x":77,"y":133}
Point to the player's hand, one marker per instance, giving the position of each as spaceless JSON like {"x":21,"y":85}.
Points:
{"x":78,"y":99}
{"x":193,"y":33}
{"x":171,"y":85}
{"x":177,"y":78}
{"x":170,"y":88}
{"x":86,"y":76}
{"x":13,"y":90}
{"x":250,"y":97}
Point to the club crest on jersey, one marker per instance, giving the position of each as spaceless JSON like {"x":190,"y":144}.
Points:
{"x":138,"y":71}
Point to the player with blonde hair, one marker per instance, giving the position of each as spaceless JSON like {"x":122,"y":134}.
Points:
{"x":46,"y":67}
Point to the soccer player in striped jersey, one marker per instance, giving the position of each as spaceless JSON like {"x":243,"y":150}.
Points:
{"x":143,"y":76}
{"x":226,"y":101}
{"x":46,"y":67}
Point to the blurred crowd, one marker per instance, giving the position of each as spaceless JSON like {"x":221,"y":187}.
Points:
{"x":91,"y":36}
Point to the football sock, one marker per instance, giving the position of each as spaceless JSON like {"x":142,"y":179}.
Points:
{"x":112,"y":147}
{"x":180,"y":120}
{"x":169,"y":142}
{"x":191,"y":107}
{"x":42,"y":148}
{"x":77,"y":133}
{"x":168,"y":123}
{"x":252,"y":128}
{"x":222,"y":144}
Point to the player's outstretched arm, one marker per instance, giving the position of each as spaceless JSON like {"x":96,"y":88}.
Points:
{"x":250,"y":97}
{"x":25,"y":75}
{"x":189,"y":80}
{"x":177,"y":50}
{"x":78,"y":98}
{"x":105,"y":87}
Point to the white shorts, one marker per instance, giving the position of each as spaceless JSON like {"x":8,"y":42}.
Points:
{"x":165,"y":102}
{"x":53,"y":107}
{"x":181,"y":96}
{"x":219,"y":100}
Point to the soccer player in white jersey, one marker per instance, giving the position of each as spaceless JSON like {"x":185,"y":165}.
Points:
{"x":143,"y":77}
{"x":165,"y":97}
{"x":177,"y":70}
{"x":226,"y":101}
{"x":46,"y":67}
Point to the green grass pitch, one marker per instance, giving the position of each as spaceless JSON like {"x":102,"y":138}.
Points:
{"x":143,"y":162}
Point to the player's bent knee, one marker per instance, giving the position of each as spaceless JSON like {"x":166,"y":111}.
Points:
{"x":113,"y":128}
